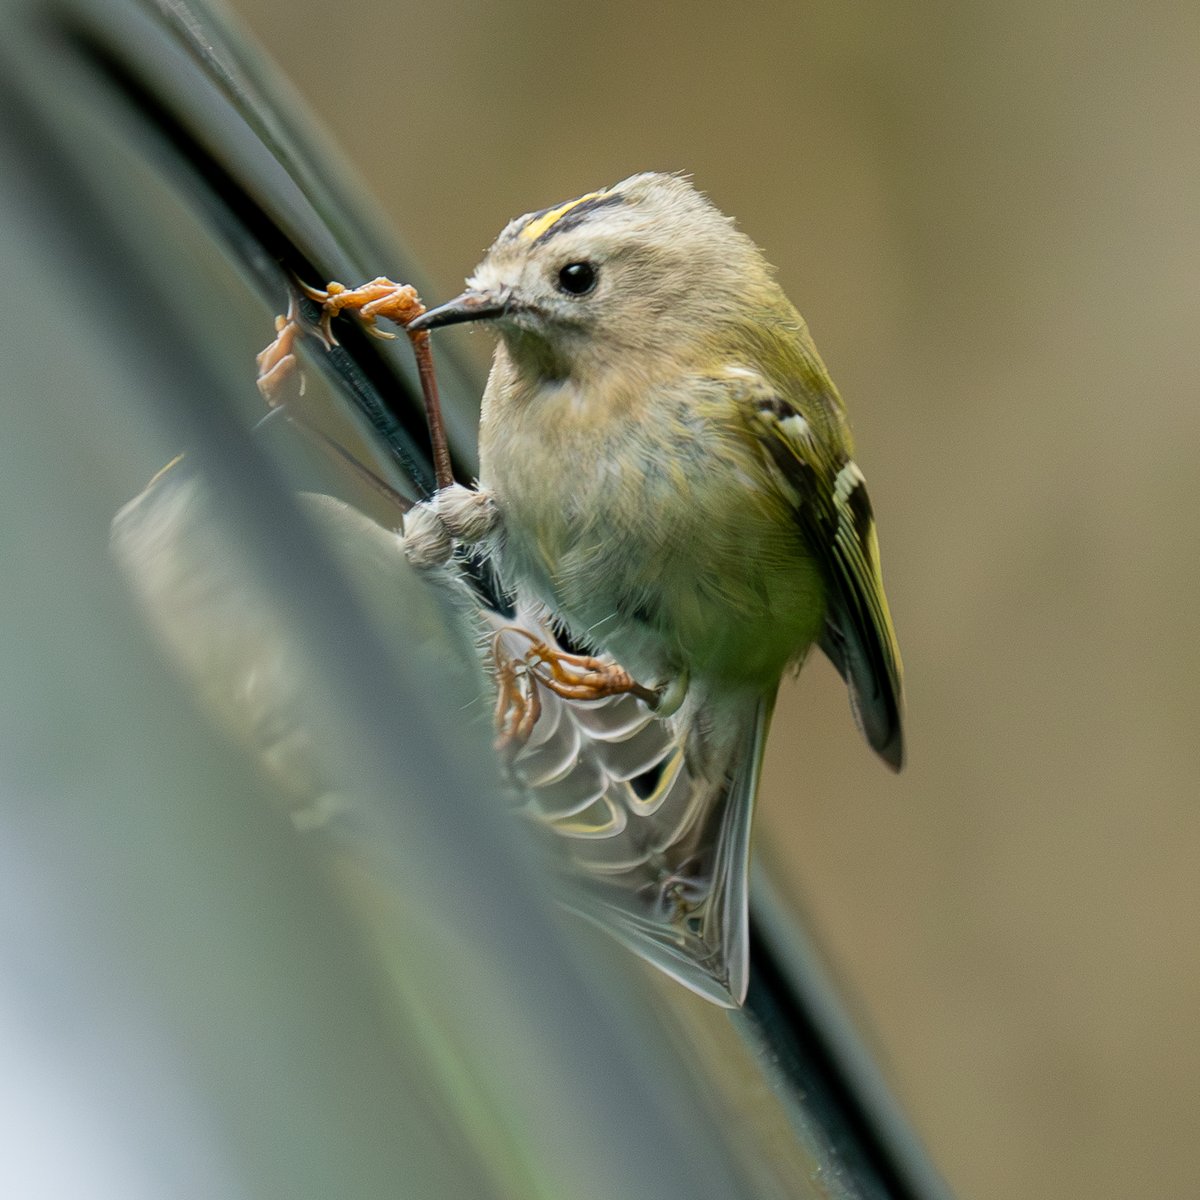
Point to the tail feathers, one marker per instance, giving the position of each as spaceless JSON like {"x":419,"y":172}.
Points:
{"x":653,"y":819}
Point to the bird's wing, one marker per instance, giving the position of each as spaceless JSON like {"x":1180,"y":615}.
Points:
{"x":834,"y":515}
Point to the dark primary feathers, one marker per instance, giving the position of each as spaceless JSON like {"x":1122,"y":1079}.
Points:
{"x":833,"y":511}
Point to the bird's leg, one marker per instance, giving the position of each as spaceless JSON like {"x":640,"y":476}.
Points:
{"x":581,"y":676}
{"x":381,"y":297}
{"x":518,"y":705}
{"x":277,"y":362}
{"x":397,"y":302}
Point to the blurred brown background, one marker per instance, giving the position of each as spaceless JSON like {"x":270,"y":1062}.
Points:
{"x":988,"y":213}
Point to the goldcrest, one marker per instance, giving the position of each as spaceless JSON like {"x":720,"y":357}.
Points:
{"x":666,"y":465}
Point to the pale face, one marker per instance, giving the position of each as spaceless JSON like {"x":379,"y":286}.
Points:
{"x":612,"y":278}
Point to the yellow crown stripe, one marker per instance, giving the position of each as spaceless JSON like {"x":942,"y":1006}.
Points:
{"x":539,"y":225}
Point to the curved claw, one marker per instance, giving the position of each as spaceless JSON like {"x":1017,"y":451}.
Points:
{"x":318,"y":295}
{"x":376,"y":332}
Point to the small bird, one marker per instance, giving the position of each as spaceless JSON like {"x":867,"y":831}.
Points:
{"x":666,"y":465}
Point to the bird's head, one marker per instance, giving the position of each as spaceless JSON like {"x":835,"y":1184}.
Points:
{"x":646,"y":267}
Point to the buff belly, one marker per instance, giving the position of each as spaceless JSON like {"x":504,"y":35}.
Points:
{"x":728,"y":596}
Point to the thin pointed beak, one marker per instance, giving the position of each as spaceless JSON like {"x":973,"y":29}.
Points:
{"x":470,"y":306}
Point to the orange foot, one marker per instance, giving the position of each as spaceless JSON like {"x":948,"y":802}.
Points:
{"x":580,"y":676}
{"x":381,"y":297}
{"x":518,"y":705}
{"x":278,"y":362}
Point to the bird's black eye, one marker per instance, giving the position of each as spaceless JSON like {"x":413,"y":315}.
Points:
{"x":577,"y":278}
